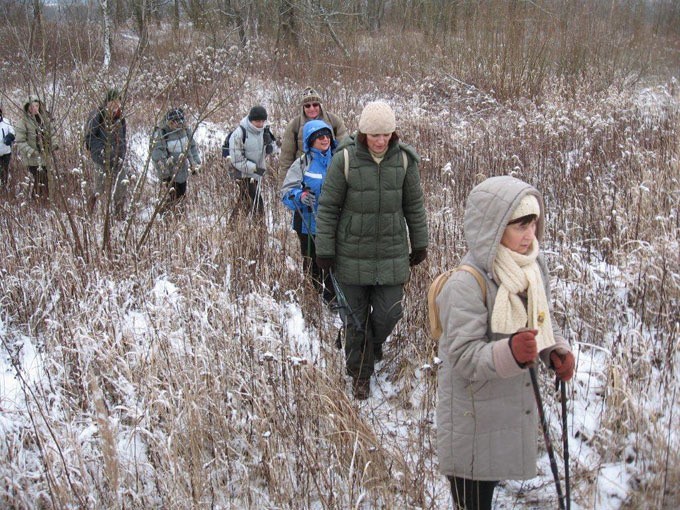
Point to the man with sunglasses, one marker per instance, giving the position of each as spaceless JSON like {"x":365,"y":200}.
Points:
{"x":312,"y":109}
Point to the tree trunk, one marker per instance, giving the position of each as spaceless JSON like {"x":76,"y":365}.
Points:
{"x":36,"y":24}
{"x":175,"y":15}
{"x":375,"y":11}
{"x":287,"y":32}
{"x":108,"y":43}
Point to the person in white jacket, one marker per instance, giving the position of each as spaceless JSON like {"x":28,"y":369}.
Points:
{"x":247,"y":153}
{"x":7,"y":136}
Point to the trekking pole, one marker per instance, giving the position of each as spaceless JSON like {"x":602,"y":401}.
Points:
{"x":546,"y":436}
{"x":256,"y":198}
{"x":565,"y":440}
{"x":342,"y":301}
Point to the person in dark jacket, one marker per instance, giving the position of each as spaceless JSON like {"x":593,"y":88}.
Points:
{"x":300,"y":191}
{"x":106,"y":139}
{"x":486,"y":412}
{"x":7,"y":136}
{"x":370,"y":209}
{"x":36,"y":144}
{"x":174,"y":155}
{"x":312,"y":108}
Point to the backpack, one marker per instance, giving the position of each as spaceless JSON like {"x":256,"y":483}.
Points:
{"x":436,"y":287}
{"x":267,"y":136}
{"x":225,"y":145}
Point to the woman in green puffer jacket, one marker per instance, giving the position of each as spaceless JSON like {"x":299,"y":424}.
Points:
{"x":371,"y":227}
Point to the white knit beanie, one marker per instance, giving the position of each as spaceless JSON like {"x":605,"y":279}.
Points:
{"x":528,"y":205}
{"x":377,"y":118}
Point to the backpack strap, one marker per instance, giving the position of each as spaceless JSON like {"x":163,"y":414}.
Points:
{"x":345,"y":153}
{"x":436,"y":287}
{"x":478,"y":276}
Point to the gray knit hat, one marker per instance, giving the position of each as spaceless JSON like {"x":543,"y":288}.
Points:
{"x":309,"y":95}
{"x":377,"y":118}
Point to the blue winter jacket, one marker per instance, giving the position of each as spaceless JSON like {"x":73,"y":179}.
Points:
{"x":307,"y":172}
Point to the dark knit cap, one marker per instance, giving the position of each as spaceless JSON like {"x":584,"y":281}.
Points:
{"x":257,"y":113}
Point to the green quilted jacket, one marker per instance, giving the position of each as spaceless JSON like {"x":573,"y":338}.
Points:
{"x":367,"y":219}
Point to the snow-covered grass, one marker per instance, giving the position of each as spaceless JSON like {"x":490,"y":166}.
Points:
{"x":182,"y":360}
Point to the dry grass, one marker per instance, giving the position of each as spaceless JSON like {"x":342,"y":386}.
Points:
{"x":172,"y":374}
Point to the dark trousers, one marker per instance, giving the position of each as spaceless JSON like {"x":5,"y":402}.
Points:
{"x":471,"y":494}
{"x":248,"y":195}
{"x":377,"y":309}
{"x":321,"y":279}
{"x":40,"y":181}
{"x":176,"y":190}
{"x":4,"y":169}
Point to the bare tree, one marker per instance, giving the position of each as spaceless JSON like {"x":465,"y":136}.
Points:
{"x":36,"y":24}
{"x":375,"y":12}
{"x":287,"y":29}
{"x":108,"y":33}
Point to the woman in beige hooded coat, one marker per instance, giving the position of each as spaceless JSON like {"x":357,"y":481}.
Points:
{"x":486,"y":413}
{"x":35,"y":144}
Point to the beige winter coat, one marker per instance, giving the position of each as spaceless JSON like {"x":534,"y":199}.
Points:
{"x":486,"y":412}
{"x":292,"y":143}
{"x":35,"y":150}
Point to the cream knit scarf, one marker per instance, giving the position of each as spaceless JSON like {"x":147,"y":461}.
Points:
{"x":517,"y":273}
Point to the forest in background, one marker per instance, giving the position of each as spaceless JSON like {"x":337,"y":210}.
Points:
{"x":168,"y":363}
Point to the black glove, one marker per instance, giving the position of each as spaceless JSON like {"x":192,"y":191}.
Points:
{"x":417,"y":257}
{"x":260,"y":171}
{"x":325,"y":263}
{"x":9,"y":139}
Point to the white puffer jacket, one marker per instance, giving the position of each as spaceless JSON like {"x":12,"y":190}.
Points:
{"x":5,"y":128}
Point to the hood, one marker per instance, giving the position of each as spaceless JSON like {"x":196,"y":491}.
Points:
{"x":33,"y":99}
{"x":487,"y":212}
{"x":312,"y":127}
{"x":248,"y":126}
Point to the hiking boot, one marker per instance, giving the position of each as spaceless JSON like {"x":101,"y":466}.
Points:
{"x":362,"y":388}
{"x":377,"y":352}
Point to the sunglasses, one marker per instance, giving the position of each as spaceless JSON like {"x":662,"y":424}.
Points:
{"x":312,"y":105}
{"x":322,"y":136}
